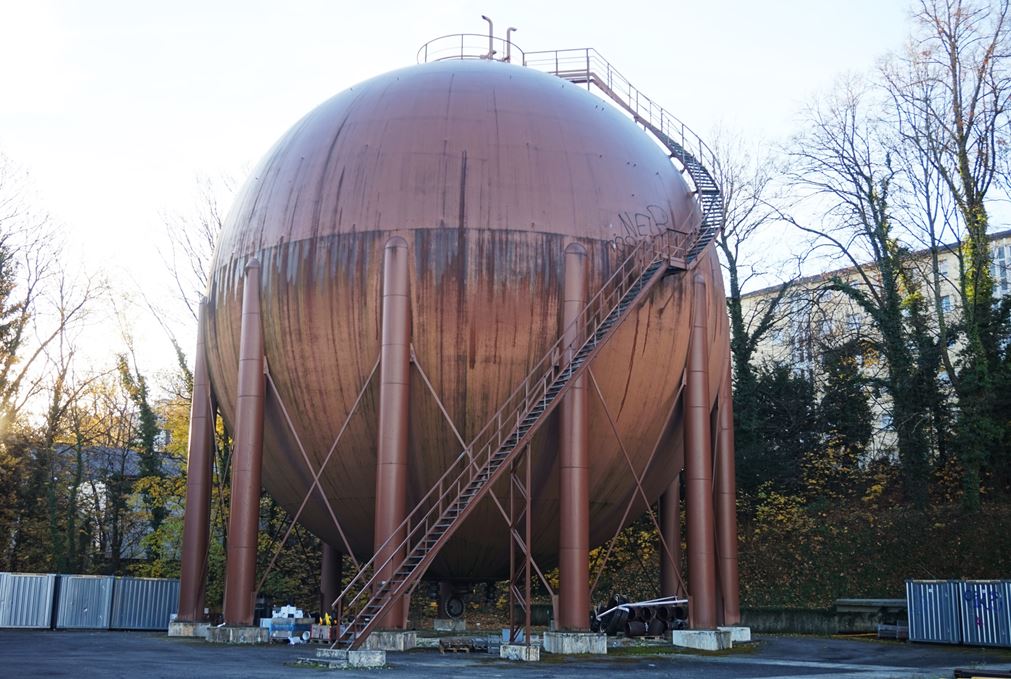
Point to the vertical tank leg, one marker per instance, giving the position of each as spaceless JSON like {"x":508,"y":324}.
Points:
{"x":197,"y":517}
{"x":391,"y":463}
{"x":247,"y":458}
{"x":726,"y":506}
{"x":670,"y":527}
{"x":699,"y":467}
{"x":331,"y":572}
{"x":574,"y":494}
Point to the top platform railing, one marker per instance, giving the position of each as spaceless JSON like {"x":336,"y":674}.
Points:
{"x":585,"y":65}
{"x":469,"y":46}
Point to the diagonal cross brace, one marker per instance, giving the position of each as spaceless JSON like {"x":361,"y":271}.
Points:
{"x":440,"y":528}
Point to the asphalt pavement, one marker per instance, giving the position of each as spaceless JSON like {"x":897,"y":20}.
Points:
{"x":142,"y":655}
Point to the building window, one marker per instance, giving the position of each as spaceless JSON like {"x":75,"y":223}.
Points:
{"x":999,"y":269}
{"x":946,"y":303}
{"x":853,"y":322}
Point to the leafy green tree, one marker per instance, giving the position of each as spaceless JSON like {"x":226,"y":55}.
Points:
{"x":951,"y":92}
{"x":785,"y":432}
{"x":843,"y":160}
{"x":845,"y":418}
{"x":145,"y":443}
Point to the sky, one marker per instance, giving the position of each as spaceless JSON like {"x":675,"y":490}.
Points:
{"x":118,"y":108}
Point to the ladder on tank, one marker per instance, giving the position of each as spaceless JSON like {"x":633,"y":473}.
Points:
{"x":475,"y":470}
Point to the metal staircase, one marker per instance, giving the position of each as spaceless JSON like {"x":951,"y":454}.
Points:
{"x":585,"y":66}
{"x":470,"y":477}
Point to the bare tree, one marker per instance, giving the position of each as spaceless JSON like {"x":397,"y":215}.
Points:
{"x":952,"y":93}
{"x":746,"y":183}
{"x":192,"y":238}
{"x":39,"y":300}
{"x":841,"y":165}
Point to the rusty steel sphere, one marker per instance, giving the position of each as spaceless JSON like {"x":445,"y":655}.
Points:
{"x":488,"y":171}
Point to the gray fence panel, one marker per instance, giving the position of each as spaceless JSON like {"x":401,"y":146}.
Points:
{"x":85,"y":602}
{"x":933,"y":607}
{"x":144,"y":603}
{"x":985,"y":616}
{"x":26,"y":600}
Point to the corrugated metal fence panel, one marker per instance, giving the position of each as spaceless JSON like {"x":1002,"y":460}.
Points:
{"x":144,"y":603}
{"x":26,"y":600}
{"x":85,"y":602}
{"x":986,"y":619}
{"x":933,"y":611}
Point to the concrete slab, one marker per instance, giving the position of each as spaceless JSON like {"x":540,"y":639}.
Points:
{"x":238,"y":635}
{"x":738,"y":634}
{"x":188,"y":629}
{"x":517,"y":652}
{"x":449,"y":625}
{"x":391,"y":640}
{"x":342,"y":658}
{"x":702,"y":639}
{"x":575,"y":643}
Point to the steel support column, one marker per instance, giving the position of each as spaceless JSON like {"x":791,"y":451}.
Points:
{"x":670,"y":528}
{"x":699,"y":466}
{"x":199,"y":459}
{"x":574,"y":493}
{"x":247,"y":458}
{"x":394,"y":394}
{"x":331,"y":572}
{"x":726,"y":506}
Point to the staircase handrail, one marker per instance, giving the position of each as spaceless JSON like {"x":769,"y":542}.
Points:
{"x":683,"y":143}
{"x":671,"y":245}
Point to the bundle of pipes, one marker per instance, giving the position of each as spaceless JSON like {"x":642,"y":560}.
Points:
{"x":652,"y":621}
{"x":643,"y":618}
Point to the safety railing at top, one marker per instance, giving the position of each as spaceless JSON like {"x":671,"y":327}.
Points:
{"x":469,"y":46}
{"x":586,"y":65}
{"x":502,"y":427}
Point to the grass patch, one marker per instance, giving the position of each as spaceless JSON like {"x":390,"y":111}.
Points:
{"x":646,"y":651}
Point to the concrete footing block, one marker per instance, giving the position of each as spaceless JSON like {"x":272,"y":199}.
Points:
{"x":196,"y":630}
{"x":343,"y":658}
{"x":519,"y":652}
{"x":702,"y":639}
{"x":238,"y":635}
{"x":449,"y":625}
{"x":738,"y":634}
{"x":575,"y":643}
{"x":391,"y":640}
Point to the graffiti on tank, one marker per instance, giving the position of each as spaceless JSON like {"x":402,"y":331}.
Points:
{"x":654,"y":221}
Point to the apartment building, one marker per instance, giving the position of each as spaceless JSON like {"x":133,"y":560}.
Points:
{"x":814,"y":317}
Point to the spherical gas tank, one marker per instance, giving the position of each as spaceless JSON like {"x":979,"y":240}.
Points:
{"x":488,"y":171}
